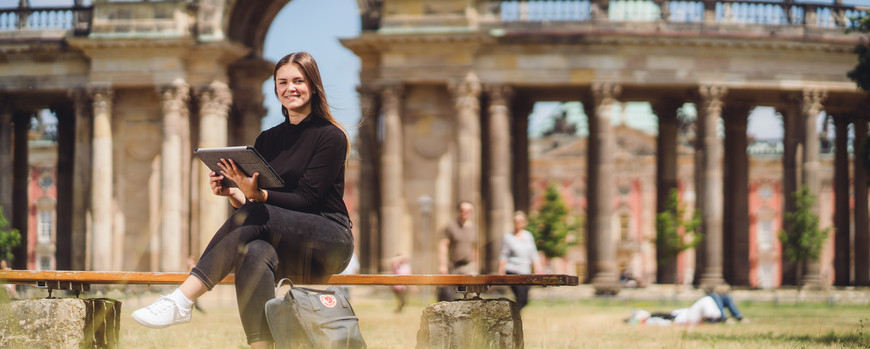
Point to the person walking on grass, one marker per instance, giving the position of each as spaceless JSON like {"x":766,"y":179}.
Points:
{"x":457,"y":249}
{"x":519,"y":256}
{"x":301,"y":229}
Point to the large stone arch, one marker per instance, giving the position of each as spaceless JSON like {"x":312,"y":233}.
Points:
{"x":248,"y":21}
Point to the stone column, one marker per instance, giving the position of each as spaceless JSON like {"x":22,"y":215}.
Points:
{"x":842,"y":232}
{"x":246,"y":80}
{"x":215,"y":101}
{"x":520,"y":149}
{"x":5,"y":158}
{"x":82,"y":171}
{"x":810,"y":109}
{"x":862,"y":229}
{"x":175,"y":118}
{"x":666,"y":174}
{"x":102,"y":187}
{"x":392,"y":178}
{"x":605,"y":277}
{"x":19,"y":212}
{"x":709,"y":112}
{"x":65,"y":176}
{"x":466,"y":94}
{"x":500,"y":205}
{"x":736,"y":208}
{"x":790,"y":158}
{"x":369,"y":202}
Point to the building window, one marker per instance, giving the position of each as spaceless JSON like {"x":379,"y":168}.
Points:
{"x":45,"y":263}
{"x":44,"y":225}
{"x":624,"y":226}
{"x":765,"y":235}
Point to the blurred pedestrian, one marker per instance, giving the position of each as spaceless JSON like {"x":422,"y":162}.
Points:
{"x":400,"y":266}
{"x":457,"y":250}
{"x":519,"y":256}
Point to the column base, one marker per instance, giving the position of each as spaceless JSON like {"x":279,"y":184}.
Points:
{"x":812,"y":282}
{"x":711,"y":281}
{"x":606,"y":284}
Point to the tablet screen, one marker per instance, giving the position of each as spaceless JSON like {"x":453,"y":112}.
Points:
{"x":246,"y":158}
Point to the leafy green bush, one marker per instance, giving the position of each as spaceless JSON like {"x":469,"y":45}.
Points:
{"x":9,"y":239}
{"x":552,"y":225}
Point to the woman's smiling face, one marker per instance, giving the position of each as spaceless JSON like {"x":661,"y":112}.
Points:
{"x":293,"y":90}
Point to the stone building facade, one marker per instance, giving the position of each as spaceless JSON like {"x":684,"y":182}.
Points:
{"x":556,"y":157}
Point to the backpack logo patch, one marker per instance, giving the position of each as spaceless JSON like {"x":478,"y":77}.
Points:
{"x":328,"y":300}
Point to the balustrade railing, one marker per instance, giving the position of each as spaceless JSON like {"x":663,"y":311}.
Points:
{"x":76,"y":20}
{"x":742,"y":12}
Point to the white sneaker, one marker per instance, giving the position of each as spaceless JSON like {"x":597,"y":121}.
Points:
{"x":162,"y":313}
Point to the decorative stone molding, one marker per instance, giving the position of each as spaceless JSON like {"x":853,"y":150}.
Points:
{"x":215,"y":99}
{"x":711,"y":98}
{"x":812,"y":99}
{"x":466,"y":92}
{"x":499,"y":95}
{"x":175,"y":97}
{"x":606,"y":93}
{"x":102,"y":99}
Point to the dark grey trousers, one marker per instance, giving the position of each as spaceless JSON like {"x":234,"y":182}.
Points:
{"x":262,"y":243}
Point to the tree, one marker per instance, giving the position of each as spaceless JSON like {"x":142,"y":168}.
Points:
{"x":861,"y":74}
{"x":9,"y":239}
{"x":802,"y":240}
{"x":552,"y":225}
{"x":674,"y":233}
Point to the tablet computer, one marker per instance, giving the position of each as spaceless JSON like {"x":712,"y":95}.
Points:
{"x":246,"y":158}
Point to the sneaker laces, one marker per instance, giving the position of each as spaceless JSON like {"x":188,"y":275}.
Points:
{"x":161,"y":305}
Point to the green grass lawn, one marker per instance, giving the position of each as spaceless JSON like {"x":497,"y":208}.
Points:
{"x":584,"y":323}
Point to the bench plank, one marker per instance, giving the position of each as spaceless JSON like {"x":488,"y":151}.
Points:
{"x":150,"y":278}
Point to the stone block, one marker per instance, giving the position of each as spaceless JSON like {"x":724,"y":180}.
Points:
{"x":471,"y":323}
{"x":60,"y":323}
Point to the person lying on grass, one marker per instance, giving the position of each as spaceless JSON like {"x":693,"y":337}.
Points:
{"x":710,"y":308}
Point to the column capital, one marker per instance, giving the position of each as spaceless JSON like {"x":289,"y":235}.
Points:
{"x":391,"y":94}
{"x":175,"y":96}
{"x":499,"y":94}
{"x":606,"y":92}
{"x":712,"y":98}
{"x":369,"y":96}
{"x":812,"y":99}
{"x":465,"y":90}
{"x":102,"y":97}
{"x":712,"y":92}
{"x":215,"y":99}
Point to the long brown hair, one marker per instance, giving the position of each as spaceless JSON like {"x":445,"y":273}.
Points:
{"x":319,"y":105}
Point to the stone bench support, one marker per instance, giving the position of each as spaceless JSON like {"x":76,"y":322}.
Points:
{"x":60,"y":323}
{"x":472,"y":323}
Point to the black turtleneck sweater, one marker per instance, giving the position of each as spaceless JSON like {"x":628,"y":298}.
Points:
{"x":310,"y":157}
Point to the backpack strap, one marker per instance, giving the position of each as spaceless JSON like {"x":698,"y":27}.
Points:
{"x":278,"y":288}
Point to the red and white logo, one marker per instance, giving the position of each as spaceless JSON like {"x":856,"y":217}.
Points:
{"x":328,"y":300}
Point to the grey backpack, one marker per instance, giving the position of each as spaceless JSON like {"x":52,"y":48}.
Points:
{"x":310,"y":318}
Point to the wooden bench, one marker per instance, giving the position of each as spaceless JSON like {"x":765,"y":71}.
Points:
{"x":80,"y":281}
{"x":105,"y":328}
